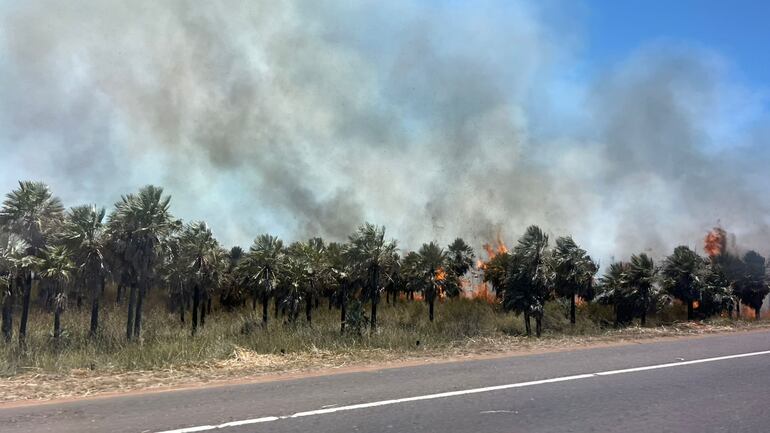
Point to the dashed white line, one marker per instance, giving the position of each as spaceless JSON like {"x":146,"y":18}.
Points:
{"x":328,"y":409}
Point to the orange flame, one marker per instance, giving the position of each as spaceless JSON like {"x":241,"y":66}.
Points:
{"x":715,"y":242}
{"x":440,"y":274}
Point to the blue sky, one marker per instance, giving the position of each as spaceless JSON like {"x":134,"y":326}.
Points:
{"x":737,"y":29}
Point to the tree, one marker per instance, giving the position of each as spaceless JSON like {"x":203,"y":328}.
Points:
{"x":33,"y":213}
{"x":641,"y":275}
{"x":527,"y":280}
{"x":572,"y":272}
{"x":371,"y":254}
{"x":261,"y":267}
{"x":139,"y":226}
{"x":681,"y":277}
{"x":431,"y":273}
{"x":613,"y":290}
{"x":752,"y":287}
{"x":233,"y":294}
{"x":343,"y":278}
{"x":496,"y":272}
{"x":83,"y":234}
{"x":317,"y":272}
{"x":717,"y":294}
{"x":459,"y":257}
{"x":56,"y":267}
{"x":203,"y":261}
{"x":14,"y":265}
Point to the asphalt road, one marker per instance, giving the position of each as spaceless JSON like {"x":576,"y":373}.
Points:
{"x":687,"y":385}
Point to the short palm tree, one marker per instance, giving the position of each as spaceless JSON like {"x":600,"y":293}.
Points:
{"x":432,"y":273}
{"x":139,"y":226}
{"x":260,"y":268}
{"x":681,"y":274}
{"x":641,"y":276}
{"x":372,"y":255}
{"x":460,"y":257}
{"x":15,"y":263}
{"x":83,"y":233}
{"x":33,"y":213}
{"x":613,"y":290}
{"x":528,"y":278}
{"x":572,"y":272}
{"x":56,"y":267}
{"x":204,"y":262}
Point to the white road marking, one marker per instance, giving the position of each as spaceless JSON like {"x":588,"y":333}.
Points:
{"x":328,"y":410}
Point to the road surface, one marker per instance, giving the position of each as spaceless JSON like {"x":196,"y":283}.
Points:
{"x":709,"y":384}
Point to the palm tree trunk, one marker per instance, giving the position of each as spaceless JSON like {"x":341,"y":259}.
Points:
{"x":119,"y":294}
{"x":208,"y":306}
{"x":95,"y":309}
{"x":538,"y":324}
{"x":131,"y":305}
{"x":644,"y":317}
{"x":527,"y":324}
{"x":373,"y":323}
{"x":757,"y":313}
{"x":195,"y":307}
{"x":181,"y":310}
{"x":690,"y":310}
{"x":738,"y":309}
{"x":430,"y":308}
{"x":572,"y":308}
{"x":57,"y":324}
{"x":8,"y":304}
{"x":309,"y":308}
{"x":343,"y":315}
{"x":203,"y":314}
{"x":138,"y":313}
{"x":25,"y":309}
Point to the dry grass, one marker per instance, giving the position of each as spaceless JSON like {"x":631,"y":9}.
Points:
{"x":169,"y":357}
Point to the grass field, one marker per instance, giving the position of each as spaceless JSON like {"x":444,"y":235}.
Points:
{"x":169,"y":355}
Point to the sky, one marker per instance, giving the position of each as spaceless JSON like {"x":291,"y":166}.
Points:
{"x":632,"y":126}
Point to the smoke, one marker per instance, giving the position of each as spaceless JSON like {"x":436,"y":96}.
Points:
{"x":307,"y":118}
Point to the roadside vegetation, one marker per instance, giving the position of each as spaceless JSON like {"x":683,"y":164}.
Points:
{"x":134,"y":288}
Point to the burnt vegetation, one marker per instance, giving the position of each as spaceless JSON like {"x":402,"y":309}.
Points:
{"x":53,"y":259}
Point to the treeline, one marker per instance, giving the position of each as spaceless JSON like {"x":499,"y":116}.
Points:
{"x":71,"y":256}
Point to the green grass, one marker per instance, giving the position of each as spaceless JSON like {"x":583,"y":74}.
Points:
{"x":168,"y":344}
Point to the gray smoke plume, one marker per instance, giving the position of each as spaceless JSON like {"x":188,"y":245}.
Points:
{"x":308,"y":118}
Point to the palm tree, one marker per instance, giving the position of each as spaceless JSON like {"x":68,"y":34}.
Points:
{"x":573,"y":272}
{"x":83,"y":233}
{"x":641,"y":276}
{"x":527,"y":284}
{"x":717,"y":294}
{"x":681,"y":277}
{"x":371,"y":254}
{"x":56,"y":267}
{"x":14,"y":265}
{"x":752,"y":287}
{"x":32,"y":213}
{"x":613,"y":290}
{"x":317,"y":271}
{"x":232,"y":290}
{"x":203,"y":261}
{"x":432,"y":273}
{"x":460,"y":257}
{"x":139,"y":226}
{"x":261,"y":266}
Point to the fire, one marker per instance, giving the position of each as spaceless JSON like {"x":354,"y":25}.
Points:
{"x":492,"y":251}
{"x":715,"y":242}
{"x":695,"y":305}
{"x":440,"y":274}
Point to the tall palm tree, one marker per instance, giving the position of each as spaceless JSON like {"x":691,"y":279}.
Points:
{"x":371,"y":254}
{"x":681,"y":277}
{"x":344,"y":279}
{"x":573,"y":272}
{"x":527,"y":283}
{"x":83,"y":233}
{"x":261,"y":266}
{"x":139,"y":226}
{"x":33,"y":213}
{"x":318,"y":272}
{"x":57,"y":267}
{"x":203,"y":261}
{"x":232,"y":290}
{"x":641,"y":275}
{"x":14,"y":265}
